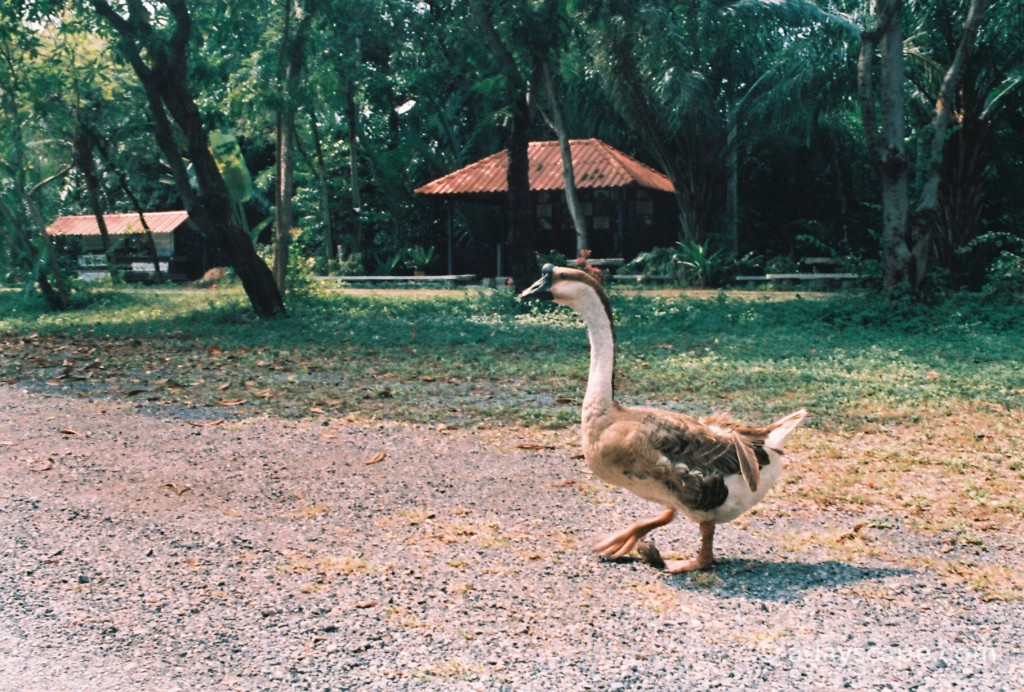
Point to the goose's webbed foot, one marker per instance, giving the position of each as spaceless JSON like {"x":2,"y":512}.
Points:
{"x":615,"y":545}
{"x":705,"y":557}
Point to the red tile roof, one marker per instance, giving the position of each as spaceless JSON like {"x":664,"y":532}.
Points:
{"x":118,"y":224}
{"x":596,"y":165}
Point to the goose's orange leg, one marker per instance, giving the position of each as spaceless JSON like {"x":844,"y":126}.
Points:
{"x":615,"y":545}
{"x":705,"y":557}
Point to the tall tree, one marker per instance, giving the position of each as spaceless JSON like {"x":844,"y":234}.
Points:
{"x":290,"y":63}
{"x":675,"y":73}
{"x":556,"y":121}
{"x":27,"y":168}
{"x":906,"y":235}
{"x":980,"y":141}
{"x":551,"y":40}
{"x":157,"y":50}
{"x":521,"y":231}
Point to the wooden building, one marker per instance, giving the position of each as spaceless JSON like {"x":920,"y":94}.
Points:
{"x":180,"y":250}
{"x":628,"y":206}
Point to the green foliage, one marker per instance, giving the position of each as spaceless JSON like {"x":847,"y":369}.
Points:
{"x":418,"y":257}
{"x":553,"y":257}
{"x":1006,"y":277}
{"x":751,"y":262}
{"x":352,"y":265}
{"x":702,"y":267}
{"x":659,"y":261}
{"x":395,"y":94}
{"x":385,"y":263}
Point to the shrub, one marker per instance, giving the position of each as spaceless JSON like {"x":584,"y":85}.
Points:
{"x":1005,"y":278}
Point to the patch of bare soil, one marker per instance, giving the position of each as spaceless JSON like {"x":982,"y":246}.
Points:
{"x":177,"y":548}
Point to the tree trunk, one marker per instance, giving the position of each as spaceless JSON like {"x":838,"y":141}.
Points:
{"x":352,"y":116}
{"x":906,"y":238}
{"x":522,"y":234}
{"x":557,"y":123}
{"x":164,"y":77}
{"x":52,"y":281}
{"x":521,"y":230}
{"x":292,"y":58}
{"x":285,"y":155}
{"x":330,"y":251}
{"x":732,"y":194}
{"x":87,"y":167}
{"x":40,"y":256}
{"x":136,"y":205}
{"x":924,"y":221}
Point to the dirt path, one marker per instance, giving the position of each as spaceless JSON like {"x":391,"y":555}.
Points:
{"x":147,"y":551}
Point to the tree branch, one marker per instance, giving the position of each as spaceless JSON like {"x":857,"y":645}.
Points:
{"x":122,"y":25}
{"x":46,"y":181}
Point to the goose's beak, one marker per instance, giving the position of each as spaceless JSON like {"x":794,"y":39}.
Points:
{"x":541,"y":288}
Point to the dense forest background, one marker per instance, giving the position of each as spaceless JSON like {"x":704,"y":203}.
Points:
{"x":887,"y":133}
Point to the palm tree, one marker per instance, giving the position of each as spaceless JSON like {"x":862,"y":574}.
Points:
{"x":911,"y":179}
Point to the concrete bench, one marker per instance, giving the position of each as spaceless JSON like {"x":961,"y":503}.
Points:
{"x":842,"y":278}
{"x":643,"y":278}
{"x":385,"y":279}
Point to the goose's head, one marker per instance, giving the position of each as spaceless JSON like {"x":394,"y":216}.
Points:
{"x":565,"y":286}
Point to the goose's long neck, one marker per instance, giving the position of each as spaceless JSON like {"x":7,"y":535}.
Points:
{"x":600,"y":391}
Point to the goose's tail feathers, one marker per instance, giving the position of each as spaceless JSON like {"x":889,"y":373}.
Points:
{"x":782,"y":428}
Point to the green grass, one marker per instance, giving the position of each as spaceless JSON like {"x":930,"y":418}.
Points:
{"x":483,"y":359}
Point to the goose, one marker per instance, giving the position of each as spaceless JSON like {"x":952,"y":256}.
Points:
{"x":711,"y":470}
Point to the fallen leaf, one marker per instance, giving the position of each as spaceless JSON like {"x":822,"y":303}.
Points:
{"x":52,"y":557}
{"x":223,"y":386}
{"x":563,"y":400}
{"x":527,"y":445}
{"x":213,"y":350}
{"x":362,"y":605}
{"x":45,"y":465}
{"x":68,"y":431}
{"x":206,"y":424}
{"x":427,"y":378}
{"x":230,"y":402}
{"x":178,"y":489}
{"x":377,"y":458}
{"x":316,"y":409}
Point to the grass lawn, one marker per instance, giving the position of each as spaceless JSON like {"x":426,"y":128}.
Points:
{"x":915,"y":411}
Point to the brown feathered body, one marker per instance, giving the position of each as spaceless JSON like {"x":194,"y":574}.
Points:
{"x":682,"y":462}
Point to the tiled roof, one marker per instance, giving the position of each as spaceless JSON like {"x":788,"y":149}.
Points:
{"x":118,"y":224}
{"x":596,"y":165}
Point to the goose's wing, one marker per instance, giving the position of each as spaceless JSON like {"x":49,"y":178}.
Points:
{"x":693,"y":459}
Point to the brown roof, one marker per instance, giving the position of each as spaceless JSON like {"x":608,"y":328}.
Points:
{"x":596,"y":165}
{"x":118,"y":224}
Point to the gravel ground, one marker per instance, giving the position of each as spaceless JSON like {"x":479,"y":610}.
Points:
{"x":165,"y":550}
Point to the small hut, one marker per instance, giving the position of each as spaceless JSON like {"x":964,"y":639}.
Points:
{"x":628,"y":206}
{"x":180,"y":252}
